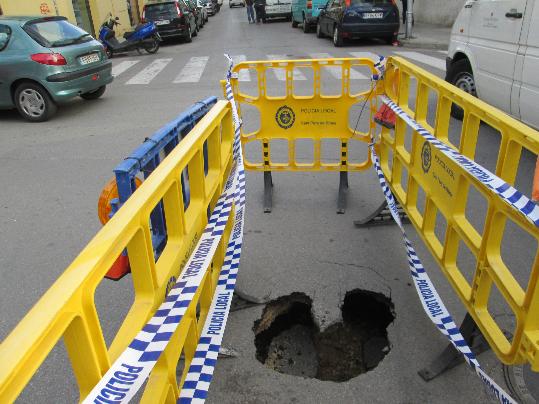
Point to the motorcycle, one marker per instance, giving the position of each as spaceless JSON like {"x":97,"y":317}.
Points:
{"x":145,"y":36}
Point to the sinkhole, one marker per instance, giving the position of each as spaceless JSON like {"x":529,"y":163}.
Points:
{"x":288,"y":340}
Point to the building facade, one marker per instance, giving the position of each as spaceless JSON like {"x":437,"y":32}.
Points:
{"x":87,"y":14}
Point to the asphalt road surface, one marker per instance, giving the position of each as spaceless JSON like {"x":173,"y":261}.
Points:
{"x":52,"y":174}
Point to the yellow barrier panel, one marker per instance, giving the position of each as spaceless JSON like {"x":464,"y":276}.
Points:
{"x":416,"y":168}
{"x":289,"y":117}
{"x":68,"y":309}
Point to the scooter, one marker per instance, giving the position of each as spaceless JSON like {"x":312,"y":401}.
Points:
{"x":145,"y":36}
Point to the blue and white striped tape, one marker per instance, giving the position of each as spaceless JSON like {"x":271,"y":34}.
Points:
{"x":429,"y":297}
{"x":197,"y":382}
{"x":506,"y":192}
{"x":133,"y":366}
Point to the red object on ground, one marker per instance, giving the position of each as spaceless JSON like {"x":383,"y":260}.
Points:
{"x":385,"y":117}
{"x":119,"y":269}
{"x":535,"y":190}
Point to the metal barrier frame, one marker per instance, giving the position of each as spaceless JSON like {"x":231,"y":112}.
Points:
{"x":490,"y":269}
{"x":68,"y":309}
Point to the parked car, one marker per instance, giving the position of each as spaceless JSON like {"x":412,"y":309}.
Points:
{"x":279,"y":9}
{"x":201,"y":6}
{"x":45,"y":61}
{"x":306,"y":12}
{"x":192,"y":4}
{"x":233,"y":3}
{"x":494,"y":55}
{"x":211,"y":7}
{"x":173,"y":19}
{"x":349,"y":19}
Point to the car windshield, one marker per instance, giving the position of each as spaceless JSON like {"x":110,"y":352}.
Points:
{"x":154,"y":11}
{"x":369,"y":2}
{"x":54,"y":33}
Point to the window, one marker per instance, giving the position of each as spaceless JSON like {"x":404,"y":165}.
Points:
{"x":54,"y":32}
{"x":373,"y":2}
{"x":5,"y":34}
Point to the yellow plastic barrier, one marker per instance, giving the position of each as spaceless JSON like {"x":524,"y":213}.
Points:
{"x":415,"y":168}
{"x":68,"y":310}
{"x":291,"y":117}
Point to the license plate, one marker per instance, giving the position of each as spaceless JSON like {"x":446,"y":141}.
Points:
{"x":162,"y":22}
{"x":87,"y":59}
{"x":373,"y":15}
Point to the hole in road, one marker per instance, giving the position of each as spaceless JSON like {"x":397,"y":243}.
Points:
{"x":288,"y":341}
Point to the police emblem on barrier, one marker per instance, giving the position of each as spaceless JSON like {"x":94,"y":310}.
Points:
{"x":426,"y":157}
{"x":285,"y":117}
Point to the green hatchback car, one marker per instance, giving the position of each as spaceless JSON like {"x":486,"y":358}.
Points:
{"x":45,"y":61}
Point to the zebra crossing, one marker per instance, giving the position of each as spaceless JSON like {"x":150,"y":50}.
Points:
{"x":192,"y":71}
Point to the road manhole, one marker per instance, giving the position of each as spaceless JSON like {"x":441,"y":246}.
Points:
{"x":288,"y":340}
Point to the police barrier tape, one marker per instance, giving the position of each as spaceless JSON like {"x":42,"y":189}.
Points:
{"x":197,"y":382}
{"x":429,"y":297}
{"x":506,"y":192}
{"x":128,"y":373}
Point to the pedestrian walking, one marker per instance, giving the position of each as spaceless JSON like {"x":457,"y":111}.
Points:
{"x":260,"y":9}
{"x":250,"y":11}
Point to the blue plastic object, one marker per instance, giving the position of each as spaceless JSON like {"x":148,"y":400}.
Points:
{"x":148,"y":156}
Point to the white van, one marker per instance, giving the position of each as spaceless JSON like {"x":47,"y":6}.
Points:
{"x":494,"y":55}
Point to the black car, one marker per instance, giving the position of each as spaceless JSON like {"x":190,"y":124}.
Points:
{"x":173,"y":19}
{"x":349,"y":19}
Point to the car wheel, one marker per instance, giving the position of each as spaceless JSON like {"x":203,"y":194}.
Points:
{"x":196,"y":30}
{"x":94,"y":95}
{"x":319,"y":30}
{"x":460,"y":75}
{"x":34,"y":102}
{"x":154,"y":47}
{"x":306,"y":26}
{"x":337,"y":38}
{"x":189,"y":36}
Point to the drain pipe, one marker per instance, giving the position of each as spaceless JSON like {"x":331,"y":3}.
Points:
{"x":409,"y":19}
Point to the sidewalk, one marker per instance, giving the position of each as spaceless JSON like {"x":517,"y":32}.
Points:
{"x":426,"y":36}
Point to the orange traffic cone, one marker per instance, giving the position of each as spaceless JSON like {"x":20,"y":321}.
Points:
{"x":535,"y":189}
{"x":385,"y":117}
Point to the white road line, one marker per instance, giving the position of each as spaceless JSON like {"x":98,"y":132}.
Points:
{"x":281,"y":73}
{"x":369,"y":55}
{"x":192,"y":71}
{"x":122,"y":67}
{"x":425,"y":59}
{"x":146,"y":75}
{"x":244,"y":74}
{"x":335,"y":71}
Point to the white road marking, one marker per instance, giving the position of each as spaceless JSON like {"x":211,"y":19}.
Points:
{"x":425,"y":59}
{"x":244,"y":74}
{"x":369,"y":55}
{"x":335,"y":71}
{"x":146,"y":75}
{"x":281,"y":73}
{"x":192,"y":71}
{"x":122,"y":67}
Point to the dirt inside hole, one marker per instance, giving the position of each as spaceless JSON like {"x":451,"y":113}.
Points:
{"x":288,"y":340}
